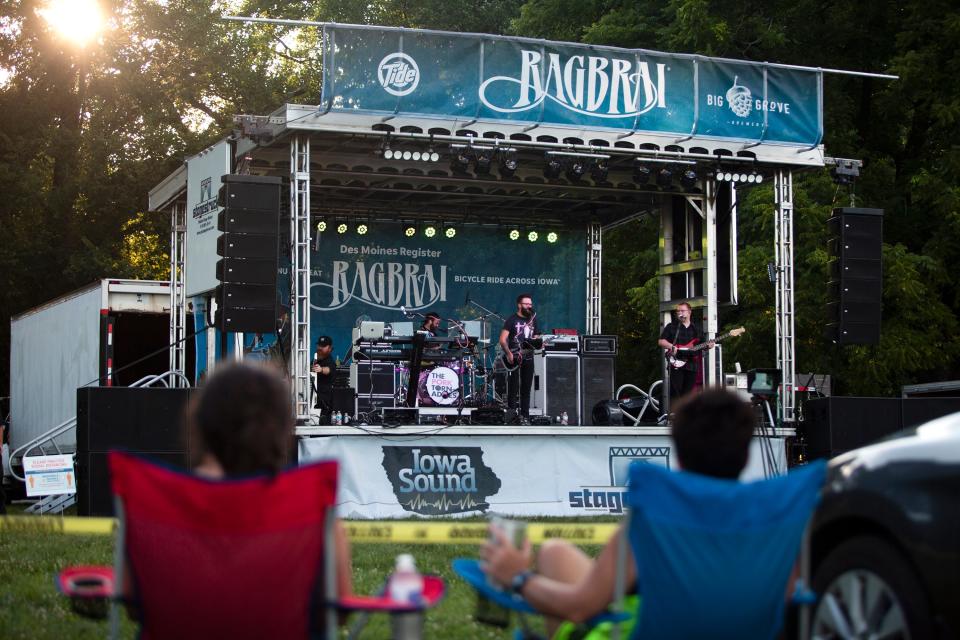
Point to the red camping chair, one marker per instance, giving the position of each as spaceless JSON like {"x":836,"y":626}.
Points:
{"x":242,"y":558}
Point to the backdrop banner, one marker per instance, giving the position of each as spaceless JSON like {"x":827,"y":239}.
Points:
{"x":372,"y":276}
{"x":471,"y":76}
{"x":443,"y":476}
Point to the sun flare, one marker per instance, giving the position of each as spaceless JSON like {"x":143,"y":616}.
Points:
{"x":77,"y":20}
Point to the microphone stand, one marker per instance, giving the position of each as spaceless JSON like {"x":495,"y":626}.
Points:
{"x":463,"y":370}
{"x":488,"y":367}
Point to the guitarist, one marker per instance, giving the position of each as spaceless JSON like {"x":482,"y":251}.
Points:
{"x":680,"y":332}
{"x":519,"y":330}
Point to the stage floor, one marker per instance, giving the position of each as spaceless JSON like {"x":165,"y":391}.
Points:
{"x":462,"y":470}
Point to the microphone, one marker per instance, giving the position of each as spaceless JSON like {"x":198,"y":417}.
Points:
{"x":403,"y":310}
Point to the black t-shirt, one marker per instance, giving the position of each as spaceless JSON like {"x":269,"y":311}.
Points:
{"x":520,"y":329}
{"x":325,"y":382}
{"x":685,"y":335}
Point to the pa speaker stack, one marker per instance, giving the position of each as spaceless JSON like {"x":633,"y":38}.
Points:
{"x":248,"y":246}
{"x":856,"y":275}
{"x":597,"y":364}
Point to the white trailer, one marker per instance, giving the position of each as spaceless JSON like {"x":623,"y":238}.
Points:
{"x":91,"y":337}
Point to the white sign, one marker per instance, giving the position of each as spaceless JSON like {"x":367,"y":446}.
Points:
{"x":204,"y":171}
{"x":49,"y":475}
{"x":452,"y":475}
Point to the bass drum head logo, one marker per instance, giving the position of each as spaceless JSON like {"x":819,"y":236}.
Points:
{"x":398,"y":74}
{"x":739,"y":99}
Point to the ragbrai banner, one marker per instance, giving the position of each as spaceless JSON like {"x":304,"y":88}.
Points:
{"x":372,"y":276}
{"x":447,"y":75}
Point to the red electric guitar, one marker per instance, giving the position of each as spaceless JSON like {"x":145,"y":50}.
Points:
{"x":689,"y":349}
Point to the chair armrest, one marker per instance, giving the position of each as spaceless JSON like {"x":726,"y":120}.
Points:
{"x":90,"y":589}
{"x":434,"y":589}
{"x":469,"y":569}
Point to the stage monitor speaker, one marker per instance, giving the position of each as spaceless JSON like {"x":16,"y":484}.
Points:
{"x":596,"y":380}
{"x":139,"y":420}
{"x":375,"y":377}
{"x":838,"y":424}
{"x":856,"y":271}
{"x":607,"y":413}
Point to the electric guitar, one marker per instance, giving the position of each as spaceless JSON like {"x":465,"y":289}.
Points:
{"x":689,"y":349}
{"x":526,"y":350}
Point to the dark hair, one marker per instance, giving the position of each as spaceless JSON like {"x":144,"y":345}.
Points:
{"x":712,"y":432}
{"x":522,"y":296}
{"x":432,"y":314}
{"x":242,"y":417}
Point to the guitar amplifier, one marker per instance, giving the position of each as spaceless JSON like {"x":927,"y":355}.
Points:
{"x":606,"y":345}
{"x":561,"y":343}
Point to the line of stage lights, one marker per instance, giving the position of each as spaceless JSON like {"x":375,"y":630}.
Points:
{"x":415,"y":156}
{"x":747,"y":178}
{"x":434,"y":231}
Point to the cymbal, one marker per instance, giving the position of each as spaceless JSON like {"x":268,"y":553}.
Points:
{"x":484,"y":341}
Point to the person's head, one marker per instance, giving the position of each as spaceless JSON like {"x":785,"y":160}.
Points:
{"x":712,"y":431}
{"x":683,"y":312}
{"x":324,"y":347}
{"x":243,"y":419}
{"x":431,"y":321}
{"x":524,"y":304}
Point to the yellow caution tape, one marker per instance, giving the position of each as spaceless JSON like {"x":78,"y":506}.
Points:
{"x":359,"y":532}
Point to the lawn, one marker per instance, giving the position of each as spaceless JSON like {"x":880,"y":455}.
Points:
{"x":30,"y":606}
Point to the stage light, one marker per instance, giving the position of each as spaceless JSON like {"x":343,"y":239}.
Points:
{"x":553,"y":168}
{"x":735,"y":177}
{"x":514,"y":234}
{"x":450,"y":232}
{"x":362,"y":229}
{"x":460,"y":161}
{"x":388,"y":154}
{"x":641,"y":173}
{"x":599,"y":171}
{"x":759,"y":177}
{"x":575,"y":170}
{"x":665,"y":177}
{"x":552,"y":237}
{"x":508,"y":163}
{"x":430,"y":231}
{"x":410,"y":230}
{"x":417,"y":155}
{"x":434,"y":156}
{"x":321,"y":226}
{"x":407,"y":155}
{"x":483,"y":161}
{"x":688,"y":179}
{"x":532,"y":236}
{"x":342,"y":228}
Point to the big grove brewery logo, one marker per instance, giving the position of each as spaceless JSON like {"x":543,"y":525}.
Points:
{"x":385,"y":285}
{"x":589,"y":85}
{"x":435,"y":481}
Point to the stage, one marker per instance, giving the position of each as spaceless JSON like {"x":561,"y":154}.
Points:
{"x":438,"y":470}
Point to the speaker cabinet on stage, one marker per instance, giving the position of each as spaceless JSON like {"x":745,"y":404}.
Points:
{"x":837,"y":424}
{"x":248,"y":246}
{"x":596,"y":380}
{"x":139,"y":420}
{"x":856,"y":275}
{"x":556,"y":386}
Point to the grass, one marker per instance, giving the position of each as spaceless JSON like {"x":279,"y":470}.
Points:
{"x":30,"y":606}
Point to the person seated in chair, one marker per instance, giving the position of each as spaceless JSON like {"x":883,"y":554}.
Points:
{"x":711,"y":433}
{"x":241,"y":423}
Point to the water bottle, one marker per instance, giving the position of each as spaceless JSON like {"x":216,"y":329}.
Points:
{"x":564,"y":418}
{"x":337,"y":419}
{"x":406,"y":583}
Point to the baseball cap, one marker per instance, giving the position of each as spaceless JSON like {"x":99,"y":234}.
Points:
{"x":324,"y":341}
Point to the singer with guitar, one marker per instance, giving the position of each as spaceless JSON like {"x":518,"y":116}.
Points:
{"x":519,"y":331}
{"x":681,"y":331}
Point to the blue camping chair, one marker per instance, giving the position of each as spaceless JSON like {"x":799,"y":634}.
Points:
{"x":713,"y":556}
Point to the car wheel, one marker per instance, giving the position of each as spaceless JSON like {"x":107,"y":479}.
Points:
{"x":866,"y":589}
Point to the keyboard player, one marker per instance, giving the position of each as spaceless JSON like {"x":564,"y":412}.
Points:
{"x":431,"y":324}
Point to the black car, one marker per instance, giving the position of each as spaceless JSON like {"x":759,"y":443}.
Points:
{"x":886,"y":539}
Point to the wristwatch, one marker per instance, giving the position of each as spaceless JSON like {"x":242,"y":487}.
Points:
{"x":519,"y":580}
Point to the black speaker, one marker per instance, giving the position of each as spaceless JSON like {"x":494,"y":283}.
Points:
{"x":343,"y":400}
{"x":916,"y":411}
{"x":596,"y":379}
{"x":856,"y":275}
{"x":837,"y":424}
{"x":560,"y":386}
{"x":607,"y":413}
{"x":376,"y":378}
{"x":249,"y":248}
{"x":141,"y":420}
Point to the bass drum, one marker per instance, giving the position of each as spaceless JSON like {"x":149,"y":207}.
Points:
{"x":439,"y":386}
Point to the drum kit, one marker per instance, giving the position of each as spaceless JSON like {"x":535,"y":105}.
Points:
{"x":443,"y":382}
